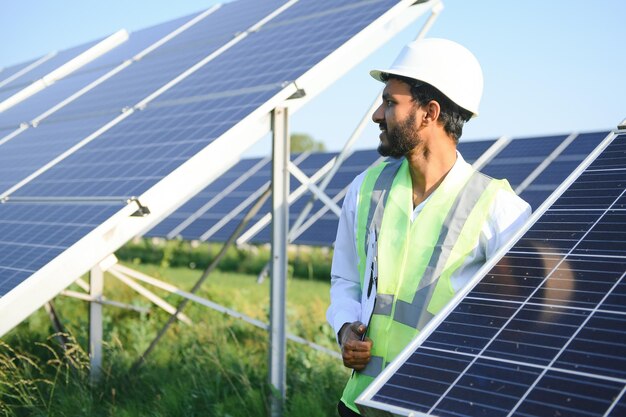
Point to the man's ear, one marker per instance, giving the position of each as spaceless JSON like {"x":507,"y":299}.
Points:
{"x":432,"y":111}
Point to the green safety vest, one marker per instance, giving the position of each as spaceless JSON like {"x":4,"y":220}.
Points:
{"x":415,"y":260}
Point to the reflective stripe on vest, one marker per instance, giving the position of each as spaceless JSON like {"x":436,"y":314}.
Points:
{"x":416,"y":259}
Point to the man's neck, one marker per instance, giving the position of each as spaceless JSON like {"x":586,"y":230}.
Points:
{"x":428,"y":166}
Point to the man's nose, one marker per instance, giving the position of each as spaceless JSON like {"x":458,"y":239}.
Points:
{"x":379,"y":115}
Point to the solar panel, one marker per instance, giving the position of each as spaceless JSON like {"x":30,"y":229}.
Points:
{"x":472,"y":150}
{"x":187,"y":129}
{"x":42,"y":70}
{"x":541,"y":332}
{"x":558,"y":169}
{"x":66,"y":87}
{"x":14,"y":72}
{"x":517,"y":160}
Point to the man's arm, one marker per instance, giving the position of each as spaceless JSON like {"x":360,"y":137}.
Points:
{"x":507,"y":215}
{"x":345,"y":288}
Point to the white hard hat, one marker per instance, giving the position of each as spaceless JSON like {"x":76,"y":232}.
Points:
{"x":445,"y":65}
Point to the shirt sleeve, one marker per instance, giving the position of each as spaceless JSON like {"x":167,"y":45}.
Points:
{"x":345,"y":284}
{"x":507,"y":215}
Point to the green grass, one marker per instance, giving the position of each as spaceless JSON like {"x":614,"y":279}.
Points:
{"x":216,"y":367}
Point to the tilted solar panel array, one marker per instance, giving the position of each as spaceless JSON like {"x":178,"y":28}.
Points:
{"x":516,"y":162}
{"x":542,"y":333}
{"x":144,"y":127}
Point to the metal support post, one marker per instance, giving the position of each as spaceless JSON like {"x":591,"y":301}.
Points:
{"x":96,"y":288}
{"x":280,"y":227}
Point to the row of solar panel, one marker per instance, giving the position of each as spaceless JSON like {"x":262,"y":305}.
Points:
{"x":125,"y":121}
{"x":215,"y":212}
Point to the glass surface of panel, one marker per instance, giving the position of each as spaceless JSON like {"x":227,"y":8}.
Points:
{"x":34,"y":234}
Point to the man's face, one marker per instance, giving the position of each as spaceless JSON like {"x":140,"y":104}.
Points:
{"x":396,"y":117}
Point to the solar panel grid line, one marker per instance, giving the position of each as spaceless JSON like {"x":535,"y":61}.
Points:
{"x":497,"y":147}
{"x":66,"y":69}
{"x":366,"y":398}
{"x":227,"y":190}
{"x":622,"y":394}
{"x":26,"y":69}
{"x":545,"y":163}
{"x":264,"y":221}
{"x":238,"y":38}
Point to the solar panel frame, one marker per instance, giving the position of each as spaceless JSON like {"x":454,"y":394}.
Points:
{"x":370,"y":407}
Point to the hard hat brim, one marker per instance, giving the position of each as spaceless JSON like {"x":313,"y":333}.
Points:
{"x":378,"y":75}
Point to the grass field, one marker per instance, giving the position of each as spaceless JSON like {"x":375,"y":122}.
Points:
{"x":216,"y":367}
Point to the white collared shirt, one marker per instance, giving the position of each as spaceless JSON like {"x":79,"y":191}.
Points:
{"x":507,"y":214}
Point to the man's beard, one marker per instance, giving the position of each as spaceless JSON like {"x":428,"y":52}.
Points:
{"x":402,"y":139}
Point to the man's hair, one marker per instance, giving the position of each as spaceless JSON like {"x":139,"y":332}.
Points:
{"x":452,"y":116}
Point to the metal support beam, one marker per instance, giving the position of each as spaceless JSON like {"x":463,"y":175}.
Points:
{"x":96,"y":288}
{"x":280,"y":227}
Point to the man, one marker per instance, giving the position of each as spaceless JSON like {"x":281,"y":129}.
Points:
{"x":413,"y":232}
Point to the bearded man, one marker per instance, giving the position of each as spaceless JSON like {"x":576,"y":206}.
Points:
{"x":414,"y":229}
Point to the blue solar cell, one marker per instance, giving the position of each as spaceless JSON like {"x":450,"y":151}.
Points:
{"x":35,"y":147}
{"x":472,"y":150}
{"x":551,"y":309}
{"x":535,"y":197}
{"x":538,"y":147}
{"x":321,"y":234}
{"x":556,"y":173}
{"x":584,"y":144}
{"x":562,"y":166}
{"x":513,"y":171}
{"x":520,"y":158}
{"x":33,"y":234}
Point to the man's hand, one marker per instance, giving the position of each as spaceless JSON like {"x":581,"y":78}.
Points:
{"x":354,"y":351}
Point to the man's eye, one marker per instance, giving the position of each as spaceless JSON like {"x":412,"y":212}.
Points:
{"x":388,"y":102}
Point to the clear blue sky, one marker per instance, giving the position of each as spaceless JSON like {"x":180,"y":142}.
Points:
{"x":551,"y":66}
